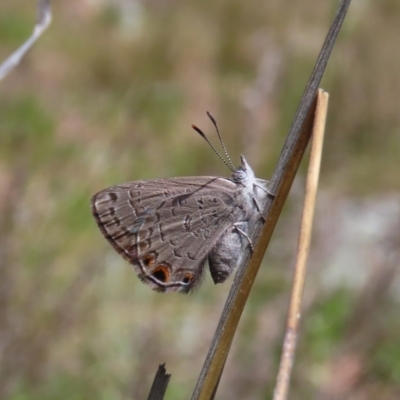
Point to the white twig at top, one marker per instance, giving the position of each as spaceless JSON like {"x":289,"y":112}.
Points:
{"x":43,"y":21}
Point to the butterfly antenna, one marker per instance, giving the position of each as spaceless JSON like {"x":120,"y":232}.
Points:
{"x":202,"y":134}
{"x":220,"y":139}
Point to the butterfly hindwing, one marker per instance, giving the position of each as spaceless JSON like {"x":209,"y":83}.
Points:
{"x":167,"y":227}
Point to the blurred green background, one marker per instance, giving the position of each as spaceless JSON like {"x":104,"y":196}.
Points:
{"x":108,"y":95}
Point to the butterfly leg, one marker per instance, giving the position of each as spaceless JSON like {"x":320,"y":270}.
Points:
{"x":265,"y":190}
{"x":258,"y":209}
{"x":245,"y":235}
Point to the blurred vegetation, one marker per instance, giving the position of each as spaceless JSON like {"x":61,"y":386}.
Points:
{"x":108,"y":95}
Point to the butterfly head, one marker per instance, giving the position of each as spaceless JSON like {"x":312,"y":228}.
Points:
{"x":244,"y":173}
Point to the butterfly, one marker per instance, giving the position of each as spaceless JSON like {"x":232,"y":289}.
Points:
{"x":168,"y":228}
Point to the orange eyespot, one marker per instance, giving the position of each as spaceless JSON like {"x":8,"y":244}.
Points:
{"x":161,"y":273}
{"x":187,"y":278}
{"x":148,"y":260}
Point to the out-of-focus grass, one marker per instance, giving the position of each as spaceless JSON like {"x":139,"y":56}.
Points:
{"x":108,"y":95}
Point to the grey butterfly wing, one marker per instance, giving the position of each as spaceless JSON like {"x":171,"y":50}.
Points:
{"x":167,"y":228}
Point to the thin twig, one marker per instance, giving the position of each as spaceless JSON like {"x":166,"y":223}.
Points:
{"x":43,"y":21}
{"x":282,"y":179}
{"x":160,"y":383}
{"x":290,"y":341}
